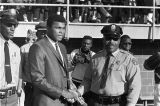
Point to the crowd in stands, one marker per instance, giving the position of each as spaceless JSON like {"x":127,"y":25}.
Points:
{"x":88,"y":14}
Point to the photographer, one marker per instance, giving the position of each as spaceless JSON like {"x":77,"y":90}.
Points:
{"x":80,"y":59}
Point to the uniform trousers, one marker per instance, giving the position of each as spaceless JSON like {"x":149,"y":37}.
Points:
{"x":157,"y":95}
{"x":93,"y":102}
{"x":9,"y":101}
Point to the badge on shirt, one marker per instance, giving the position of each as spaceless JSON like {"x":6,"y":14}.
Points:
{"x":118,"y":62}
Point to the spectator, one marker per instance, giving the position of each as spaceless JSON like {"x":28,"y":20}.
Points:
{"x":158,"y":11}
{"x":79,"y":14}
{"x":104,"y":12}
{"x":80,"y":59}
{"x":11,"y":79}
{"x":149,"y":12}
{"x":90,"y":14}
{"x":153,"y":63}
{"x":125,"y":43}
{"x":28,"y":88}
{"x":18,"y":9}
{"x":58,"y":10}
{"x":116,"y":13}
{"x":40,"y":12}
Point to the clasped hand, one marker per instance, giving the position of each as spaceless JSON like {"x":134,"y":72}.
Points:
{"x":72,"y":96}
{"x":69,"y":94}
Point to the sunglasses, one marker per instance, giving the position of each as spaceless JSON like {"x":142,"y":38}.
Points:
{"x":10,"y":25}
{"x":111,"y":38}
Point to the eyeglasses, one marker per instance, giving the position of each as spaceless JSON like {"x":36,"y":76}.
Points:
{"x":111,"y":38}
{"x":127,"y":43}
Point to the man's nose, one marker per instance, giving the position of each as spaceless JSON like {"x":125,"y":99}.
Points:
{"x":12,"y":27}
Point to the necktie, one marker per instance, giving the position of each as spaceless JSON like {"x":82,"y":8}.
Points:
{"x":7,"y":63}
{"x":105,"y":72}
{"x":58,"y":51}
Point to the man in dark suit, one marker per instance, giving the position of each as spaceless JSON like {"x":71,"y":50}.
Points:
{"x":48,"y":66}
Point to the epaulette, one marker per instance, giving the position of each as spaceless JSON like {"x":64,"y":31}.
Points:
{"x":123,"y":51}
{"x":130,"y":55}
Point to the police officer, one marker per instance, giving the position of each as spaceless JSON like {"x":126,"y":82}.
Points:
{"x":10,"y":69}
{"x":41,"y":29}
{"x":113,"y":75}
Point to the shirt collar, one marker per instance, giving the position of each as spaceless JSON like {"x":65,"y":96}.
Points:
{"x":50,"y":40}
{"x":115,"y":53}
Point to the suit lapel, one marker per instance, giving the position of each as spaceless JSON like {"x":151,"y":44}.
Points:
{"x":57,"y":56}
{"x":54,"y":51}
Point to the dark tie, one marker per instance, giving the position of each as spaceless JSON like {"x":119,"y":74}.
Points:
{"x":105,"y":72}
{"x":58,"y":51}
{"x":7,"y":64}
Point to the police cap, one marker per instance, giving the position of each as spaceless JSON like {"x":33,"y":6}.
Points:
{"x":41,"y":26}
{"x":7,"y":17}
{"x":112,"y":31}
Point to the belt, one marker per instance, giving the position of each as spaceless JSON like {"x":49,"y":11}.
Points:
{"x":108,"y":99}
{"x":4,"y":93}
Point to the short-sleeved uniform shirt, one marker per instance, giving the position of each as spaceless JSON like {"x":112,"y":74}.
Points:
{"x":123,"y":75}
{"x":15,"y":59}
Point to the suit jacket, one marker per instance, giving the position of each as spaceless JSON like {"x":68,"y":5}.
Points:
{"x":48,"y":74}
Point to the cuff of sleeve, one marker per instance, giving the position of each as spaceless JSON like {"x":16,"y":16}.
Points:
{"x":130,"y":104}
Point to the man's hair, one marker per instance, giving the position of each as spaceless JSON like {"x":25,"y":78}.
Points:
{"x":55,"y":18}
{"x":87,"y":37}
{"x":125,"y":37}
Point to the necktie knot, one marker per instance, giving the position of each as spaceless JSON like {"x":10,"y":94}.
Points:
{"x":6,"y":43}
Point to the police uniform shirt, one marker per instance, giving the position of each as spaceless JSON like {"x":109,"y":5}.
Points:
{"x":15,"y":59}
{"x":123,"y":75}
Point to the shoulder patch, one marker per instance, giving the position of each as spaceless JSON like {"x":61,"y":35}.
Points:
{"x":134,"y":61}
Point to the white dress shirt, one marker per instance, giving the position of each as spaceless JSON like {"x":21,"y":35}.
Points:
{"x":15,"y":59}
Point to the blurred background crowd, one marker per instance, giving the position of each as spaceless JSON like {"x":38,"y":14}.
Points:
{"x":87,"y":14}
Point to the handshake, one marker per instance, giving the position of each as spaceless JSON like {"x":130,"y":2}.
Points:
{"x":72,"y":96}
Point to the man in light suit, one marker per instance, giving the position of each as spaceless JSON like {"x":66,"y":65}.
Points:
{"x":48,"y":66}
